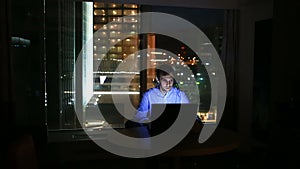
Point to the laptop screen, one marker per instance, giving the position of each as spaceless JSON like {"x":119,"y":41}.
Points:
{"x":162,"y":116}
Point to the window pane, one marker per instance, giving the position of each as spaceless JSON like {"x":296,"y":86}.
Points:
{"x":210,"y":22}
{"x":110,"y":79}
{"x":99,"y":60}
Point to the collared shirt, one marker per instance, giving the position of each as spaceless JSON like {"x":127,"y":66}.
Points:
{"x":154,"y":95}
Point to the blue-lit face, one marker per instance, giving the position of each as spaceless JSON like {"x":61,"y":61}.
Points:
{"x":166,"y":83}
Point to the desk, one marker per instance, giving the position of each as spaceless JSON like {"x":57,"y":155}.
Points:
{"x":83,"y":148}
{"x":222,"y":140}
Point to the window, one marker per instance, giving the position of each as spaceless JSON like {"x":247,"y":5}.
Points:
{"x":71,"y":25}
{"x":95,"y":37}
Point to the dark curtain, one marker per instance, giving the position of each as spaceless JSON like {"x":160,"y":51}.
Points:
{"x":6,"y":95}
{"x":228,"y":57}
{"x":6,"y":99}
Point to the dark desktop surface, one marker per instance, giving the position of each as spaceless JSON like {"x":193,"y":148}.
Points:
{"x":220,"y":151}
{"x":85,"y":153}
{"x":80,"y":153}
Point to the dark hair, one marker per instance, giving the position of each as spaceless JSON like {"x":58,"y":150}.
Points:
{"x":164,"y":69}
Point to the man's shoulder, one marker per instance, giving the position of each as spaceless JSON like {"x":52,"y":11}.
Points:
{"x":178,"y":91}
{"x":151,"y":90}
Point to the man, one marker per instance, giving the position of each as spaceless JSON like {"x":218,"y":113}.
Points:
{"x":164,"y":92}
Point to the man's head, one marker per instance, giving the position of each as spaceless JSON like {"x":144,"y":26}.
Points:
{"x":165,"y":76}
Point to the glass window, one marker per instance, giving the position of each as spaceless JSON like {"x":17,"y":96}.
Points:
{"x":95,"y":35}
{"x":86,"y":36}
{"x":210,"y":22}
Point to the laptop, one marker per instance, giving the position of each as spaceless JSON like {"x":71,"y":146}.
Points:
{"x":164,"y":115}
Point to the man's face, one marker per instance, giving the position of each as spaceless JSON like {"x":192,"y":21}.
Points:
{"x":166,"y":83}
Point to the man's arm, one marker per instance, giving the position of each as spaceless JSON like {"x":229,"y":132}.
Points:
{"x":143,"y":109}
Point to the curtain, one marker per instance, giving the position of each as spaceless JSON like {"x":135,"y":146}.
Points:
{"x":6,"y":99}
{"x":228,"y":57}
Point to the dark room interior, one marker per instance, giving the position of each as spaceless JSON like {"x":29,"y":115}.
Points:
{"x":257,"y":43}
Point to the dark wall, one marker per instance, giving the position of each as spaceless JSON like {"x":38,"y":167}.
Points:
{"x":285,"y":65}
{"x":284,"y":97}
{"x":261,"y":77}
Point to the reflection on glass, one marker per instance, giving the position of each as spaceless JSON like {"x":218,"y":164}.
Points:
{"x":107,"y":59}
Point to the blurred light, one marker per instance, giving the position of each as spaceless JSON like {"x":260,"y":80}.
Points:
{"x":207,"y":43}
{"x":116,"y":92}
{"x":68,"y":92}
{"x":156,"y":53}
{"x":159,"y":60}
